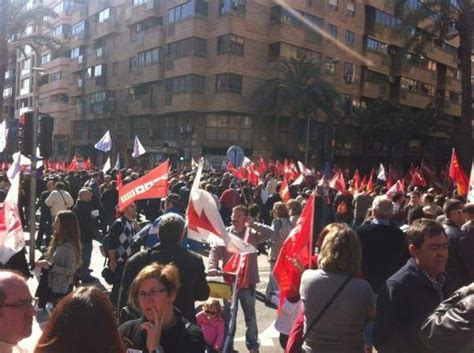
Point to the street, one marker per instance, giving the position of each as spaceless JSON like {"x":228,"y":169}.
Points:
{"x":268,"y":336}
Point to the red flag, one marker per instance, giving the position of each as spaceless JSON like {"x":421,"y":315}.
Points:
{"x":262,"y":166}
{"x":87,"y":164}
{"x":370,"y":184}
{"x":152,"y":185}
{"x":74,"y":165}
{"x":457,"y":174}
{"x":252,"y":174}
{"x":356,"y":182}
{"x":285,"y":191}
{"x":234,"y":171}
{"x":119,"y":180}
{"x":417,"y":178}
{"x":298,"y":245}
{"x":399,"y":186}
{"x":337,"y":182}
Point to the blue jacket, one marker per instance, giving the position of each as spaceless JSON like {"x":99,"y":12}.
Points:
{"x":403,"y":304}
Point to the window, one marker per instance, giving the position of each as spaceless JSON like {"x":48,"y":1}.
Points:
{"x":192,"y":46}
{"x":104,"y":15}
{"x":78,"y":30}
{"x":55,"y":76}
{"x":330,"y":66}
{"x":311,"y":34}
{"x":228,"y":82}
{"x":188,"y":9}
{"x":376,"y":46}
{"x":286,"y":51}
{"x":230,"y":44}
{"x":332,"y":29}
{"x":333,"y":4}
{"x":25,"y":86}
{"x":149,"y":57}
{"x":46,"y":58}
{"x":455,"y":97}
{"x":62,"y":29}
{"x":66,"y":7}
{"x":236,"y":7}
{"x":168,"y":128}
{"x":97,"y":97}
{"x":138,"y":2}
{"x":228,"y":127}
{"x":96,"y":71}
{"x":349,"y":38}
{"x":348,"y":72}
{"x":384,"y":19}
{"x":185,"y":84}
{"x":133,"y":64}
{"x":279,"y":15}
{"x":375,"y":77}
{"x":350,"y":8}
{"x":76,"y":52}
{"x":144,"y":27}
{"x":115,"y":68}
{"x":81,"y":130}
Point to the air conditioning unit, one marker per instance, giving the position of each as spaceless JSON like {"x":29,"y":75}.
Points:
{"x":181,"y":129}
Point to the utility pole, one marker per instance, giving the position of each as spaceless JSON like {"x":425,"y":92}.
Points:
{"x":32,"y":216}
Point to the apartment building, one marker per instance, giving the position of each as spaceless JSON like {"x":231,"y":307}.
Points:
{"x":182,"y":75}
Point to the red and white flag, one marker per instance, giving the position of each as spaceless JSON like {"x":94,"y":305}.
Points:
{"x":152,"y":185}
{"x":11,"y":231}
{"x":285,"y":191}
{"x":396,"y":188}
{"x":204,"y":221}
{"x":470,"y":194}
{"x":337,"y":182}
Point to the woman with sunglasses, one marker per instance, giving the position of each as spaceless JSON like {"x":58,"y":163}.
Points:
{"x":162,"y":328}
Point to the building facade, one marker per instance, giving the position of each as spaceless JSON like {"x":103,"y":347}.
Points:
{"x":182,"y":75}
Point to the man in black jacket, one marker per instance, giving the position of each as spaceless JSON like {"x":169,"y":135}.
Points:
{"x":191,"y":267}
{"x":384,"y":248}
{"x":45,"y":225}
{"x":83,"y":210}
{"x":413,"y":292}
{"x":460,"y":265}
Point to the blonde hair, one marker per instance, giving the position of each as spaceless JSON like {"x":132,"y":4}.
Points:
{"x":213,"y":303}
{"x":167,"y":275}
{"x":341,"y":251}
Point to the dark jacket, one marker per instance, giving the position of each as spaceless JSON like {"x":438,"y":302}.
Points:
{"x":45,"y":212}
{"x":184,"y":337}
{"x":384,"y":252}
{"x":451,"y":327}
{"x":88,"y":228}
{"x":460,"y":265}
{"x":109,"y":200}
{"x":191,"y":274}
{"x":403,"y":304}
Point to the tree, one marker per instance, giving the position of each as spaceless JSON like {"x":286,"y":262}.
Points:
{"x":300,"y":92}
{"x":15,"y":18}
{"x":440,"y":20}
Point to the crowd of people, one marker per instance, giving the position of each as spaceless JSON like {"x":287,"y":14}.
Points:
{"x":394,"y":272}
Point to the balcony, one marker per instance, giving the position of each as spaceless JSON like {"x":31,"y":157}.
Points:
{"x":57,"y":86}
{"x":452,"y":108}
{"x":143,"y":106}
{"x":147,"y":73}
{"x":137,"y":14}
{"x":374,"y":90}
{"x":55,"y":108}
{"x":77,"y":64}
{"x":414,"y":99}
{"x":379,"y":61}
{"x":106,"y":28}
{"x":57,"y":63}
{"x":150,"y":39}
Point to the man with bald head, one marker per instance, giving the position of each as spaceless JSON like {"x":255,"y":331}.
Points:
{"x":16,"y":311}
{"x":83,"y":210}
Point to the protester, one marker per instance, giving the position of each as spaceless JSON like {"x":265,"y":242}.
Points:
{"x":460,"y":265}
{"x":83,"y":322}
{"x":64,"y":255}
{"x":45,"y":221}
{"x":414,"y":291}
{"x":121,"y":232}
{"x":468,"y":227}
{"x":281,"y":226}
{"x":59,"y":200}
{"x":212,"y":325}
{"x":161,"y":328}
{"x":254,"y":233}
{"x":16,"y":311}
{"x":88,"y":231}
{"x":335,"y":304}
{"x":109,"y":200}
{"x":450,"y":328}
{"x":190,"y":265}
{"x":286,"y":317}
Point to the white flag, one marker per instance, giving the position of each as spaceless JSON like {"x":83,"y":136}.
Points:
{"x":138,"y":148}
{"x":470,"y":194}
{"x":11,"y":231}
{"x":204,"y":221}
{"x":15,"y":168}
{"x":117,"y":162}
{"x":381,"y":175}
{"x":3,"y":135}
{"x":105,"y":143}
{"x":107,"y":165}
{"x":303,"y":169}
{"x":246,"y":161}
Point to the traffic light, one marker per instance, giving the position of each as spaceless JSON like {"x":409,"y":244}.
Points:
{"x":26,"y":133}
{"x":45,"y":140}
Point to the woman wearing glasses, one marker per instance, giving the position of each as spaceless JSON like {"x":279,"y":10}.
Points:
{"x":162,"y":329}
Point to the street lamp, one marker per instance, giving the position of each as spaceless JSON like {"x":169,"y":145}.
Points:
{"x":32,"y":226}
{"x":308,"y":124}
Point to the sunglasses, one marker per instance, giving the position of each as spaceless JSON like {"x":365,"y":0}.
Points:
{"x":209,"y":312}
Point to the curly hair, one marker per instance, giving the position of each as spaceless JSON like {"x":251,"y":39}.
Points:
{"x":341,"y":251}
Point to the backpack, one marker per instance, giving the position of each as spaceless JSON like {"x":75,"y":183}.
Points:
{"x":105,"y":241}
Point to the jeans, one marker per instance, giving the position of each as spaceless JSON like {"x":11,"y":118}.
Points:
{"x":45,"y":228}
{"x":86,"y":259}
{"x":247,"y":298}
{"x":116,"y":286}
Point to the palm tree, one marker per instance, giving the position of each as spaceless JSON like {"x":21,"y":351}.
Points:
{"x":439,"y":20}
{"x":300,"y":92}
{"x":16,"y":17}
